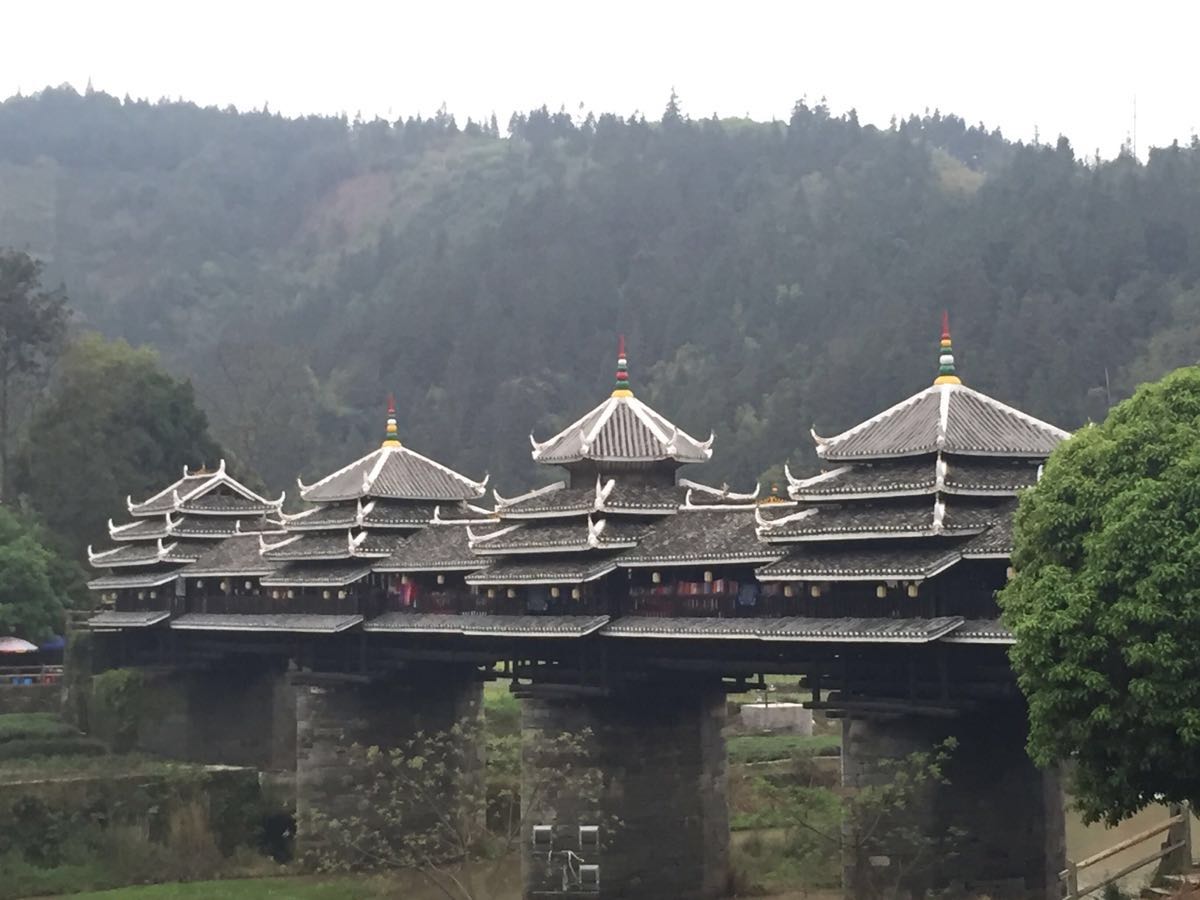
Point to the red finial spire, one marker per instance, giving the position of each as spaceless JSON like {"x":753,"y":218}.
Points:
{"x":945,"y":325}
{"x":391,"y":404}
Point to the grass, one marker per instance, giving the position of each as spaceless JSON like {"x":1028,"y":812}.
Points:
{"x":33,"y":726}
{"x":755,"y":748}
{"x":340,"y":888}
{"x":112,"y":766}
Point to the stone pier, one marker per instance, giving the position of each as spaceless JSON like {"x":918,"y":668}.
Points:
{"x":995,"y":826}
{"x":648,"y":767}
{"x":352,"y":809}
{"x":239,"y":713}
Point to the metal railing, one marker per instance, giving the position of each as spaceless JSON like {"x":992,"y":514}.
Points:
{"x":1178,"y":841}
{"x":22,"y":676}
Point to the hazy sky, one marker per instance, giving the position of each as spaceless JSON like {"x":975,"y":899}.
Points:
{"x":1062,"y":67}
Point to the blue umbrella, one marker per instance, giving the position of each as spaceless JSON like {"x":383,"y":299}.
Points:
{"x":55,"y":642}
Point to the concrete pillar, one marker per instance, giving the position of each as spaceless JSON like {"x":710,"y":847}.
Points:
{"x":658,"y":759}
{"x":994,"y":827}
{"x":337,"y":720}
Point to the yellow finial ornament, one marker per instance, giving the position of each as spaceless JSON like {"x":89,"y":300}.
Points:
{"x":392,"y":438}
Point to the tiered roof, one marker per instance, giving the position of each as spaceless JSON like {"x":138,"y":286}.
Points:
{"x":364,"y":511}
{"x":177,"y":526}
{"x":621,"y":457}
{"x":910,"y":492}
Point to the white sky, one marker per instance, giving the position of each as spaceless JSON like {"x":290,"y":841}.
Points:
{"x":1062,"y":67}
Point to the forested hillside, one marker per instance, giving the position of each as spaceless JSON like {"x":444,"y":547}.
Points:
{"x":769,"y":276}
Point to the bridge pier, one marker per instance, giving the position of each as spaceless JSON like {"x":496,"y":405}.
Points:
{"x":239,"y":713}
{"x":649,"y":768}
{"x":995,"y":827}
{"x":338,"y":719}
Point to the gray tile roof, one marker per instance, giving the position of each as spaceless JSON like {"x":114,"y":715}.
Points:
{"x":572,"y":570}
{"x":111,"y":618}
{"x":144,"y":579}
{"x":308,"y":623}
{"x":484,"y":625}
{"x":907,"y":517}
{"x":699,"y":537}
{"x":557,"y":537}
{"x":442,"y":548}
{"x":882,"y":478}
{"x":316,"y":574}
{"x":623,"y":496}
{"x":145,"y":554}
{"x":330,"y":545}
{"x":902,"y":560}
{"x":980,"y":631}
{"x":981,"y":475}
{"x":236,"y":555}
{"x":949,"y":417}
{"x":621,"y":429}
{"x":793,"y":628}
{"x":224,"y":505}
{"x":393,"y":472}
{"x":995,"y":543}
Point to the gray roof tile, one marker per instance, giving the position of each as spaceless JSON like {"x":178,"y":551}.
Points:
{"x":316,"y":574}
{"x":236,"y":555}
{"x":308,"y":623}
{"x":792,"y":628}
{"x":621,"y":429}
{"x":393,"y":472}
{"x":949,"y":417}
{"x":442,"y":548}
{"x":484,"y":625}
{"x":572,"y":570}
{"x":111,"y":618}
{"x":905,"y":560}
{"x":701,"y":536}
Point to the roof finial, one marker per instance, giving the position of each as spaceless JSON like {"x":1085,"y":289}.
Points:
{"x":393,"y":433}
{"x":946,"y":356}
{"x":622,"y":387}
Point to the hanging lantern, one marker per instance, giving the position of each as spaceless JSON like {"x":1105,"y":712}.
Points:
{"x":325,"y":595}
{"x":787,"y":590}
{"x":913,"y":589}
{"x":441,"y":579}
{"x":554,"y":592}
{"x":881,"y":591}
{"x":1010,"y":573}
{"x":656,"y":577}
{"x":491,"y":593}
{"x":512,"y":593}
{"x":814,"y":591}
{"x":342,"y":595}
{"x":708,"y":576}
{"x":249,"y":585}
{"x":575,"y":594}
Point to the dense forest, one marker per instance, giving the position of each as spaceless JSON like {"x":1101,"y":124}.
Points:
{"x":769,"y":276}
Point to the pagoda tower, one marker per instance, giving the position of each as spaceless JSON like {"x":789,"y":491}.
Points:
{"x":170,"y":530}
{"x":554,"y":546}
{"x":361,"y":513}
{"x":910,"y":519}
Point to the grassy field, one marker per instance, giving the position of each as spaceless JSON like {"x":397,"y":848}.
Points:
{"x":754,"y":748}
{"x":41,"y":726}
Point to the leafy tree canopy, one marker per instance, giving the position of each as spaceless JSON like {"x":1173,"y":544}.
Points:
{"x":1105,"y":605}
{"x":114,"y":424}
{"x":36,"y":583}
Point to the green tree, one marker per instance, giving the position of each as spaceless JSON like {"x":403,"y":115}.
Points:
{"x":33,"y":321}
{"x":114,"y":424}
{"x":35,"y":583}
{"x":1105,"y":605}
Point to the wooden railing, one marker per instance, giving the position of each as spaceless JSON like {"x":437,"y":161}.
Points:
{"x":1178,"y":841}
{"x":20,"y":676}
